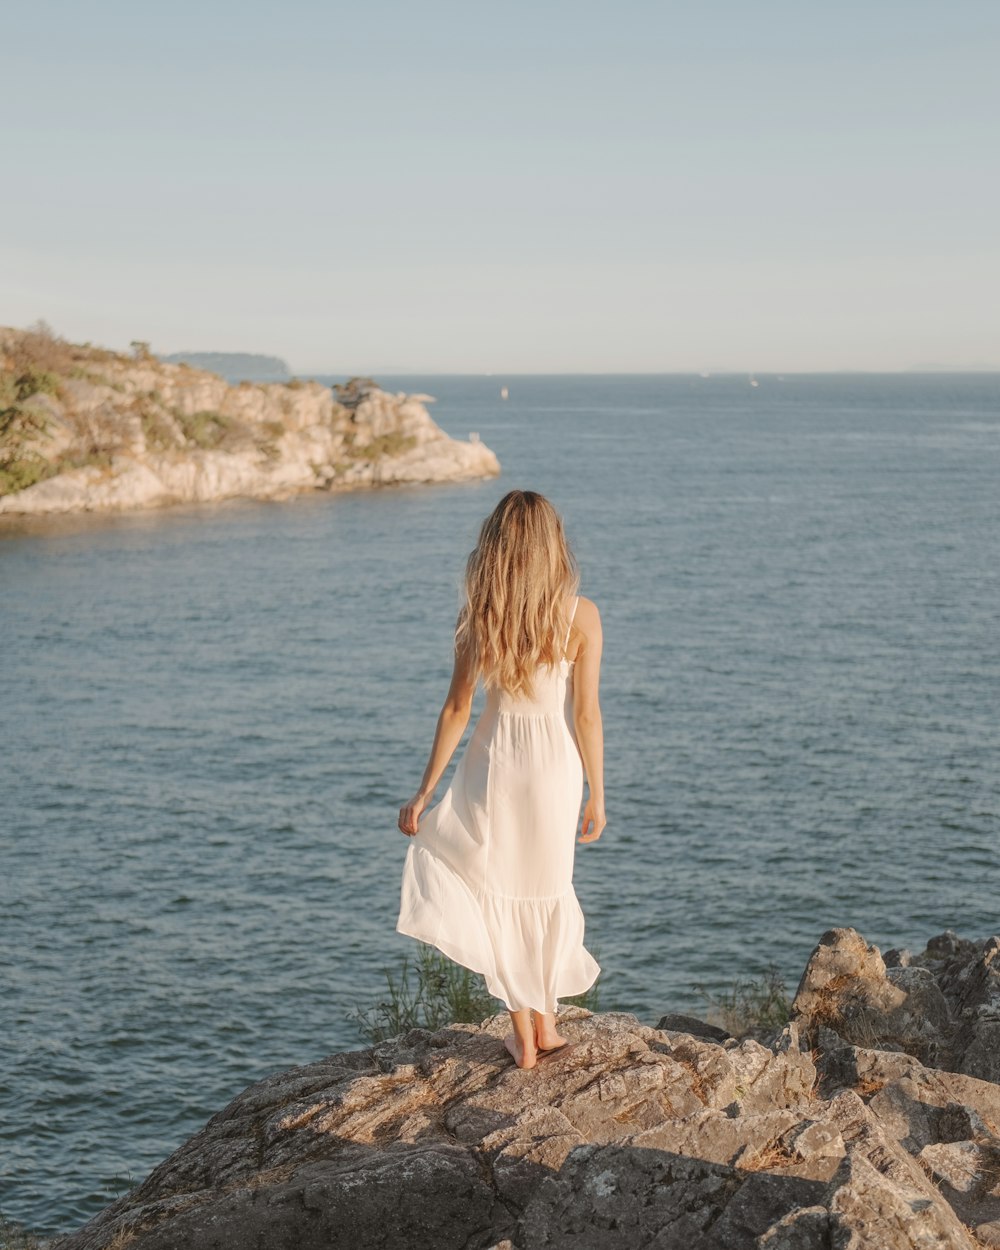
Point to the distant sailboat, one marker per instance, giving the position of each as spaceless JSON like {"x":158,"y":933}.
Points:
{"x":504,"y":393}
{"x":753,"y":381}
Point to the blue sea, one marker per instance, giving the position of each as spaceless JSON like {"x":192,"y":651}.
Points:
{"x":210,"y":716}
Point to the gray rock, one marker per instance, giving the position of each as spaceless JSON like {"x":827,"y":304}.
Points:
{"x":947,"y":945}
{"x":872,"y":1209}
{"x":847,"y":988}
{"x":676,"y":1023}
{"x":610,"y":1197}
{"x":634,"y":1137}
{"x":971,"y":983}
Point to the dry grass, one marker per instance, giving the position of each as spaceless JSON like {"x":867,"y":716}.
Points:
{"x":39,"y":349}
{"x":123,"y":1238}
{"x":773,"y":1154}
{"x":698,"y":1086}
{"x":867,"y":1086}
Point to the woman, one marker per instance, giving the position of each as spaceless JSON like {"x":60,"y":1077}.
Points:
{"x":488,"y":877}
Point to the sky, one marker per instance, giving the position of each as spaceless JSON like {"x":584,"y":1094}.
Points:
{"x":518,"y":187}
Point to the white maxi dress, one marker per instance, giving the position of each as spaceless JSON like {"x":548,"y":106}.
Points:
{"x":488,"y":877}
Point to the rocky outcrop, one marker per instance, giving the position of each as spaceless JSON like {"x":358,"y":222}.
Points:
{"x":942,"y":1006}
{"x":834,"y":1136}
{"x":82,"y":429}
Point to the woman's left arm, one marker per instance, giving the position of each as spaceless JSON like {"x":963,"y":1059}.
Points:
{"x":451,"y":723}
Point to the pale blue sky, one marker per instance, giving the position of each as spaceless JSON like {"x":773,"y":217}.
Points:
{"x":508,"y":187}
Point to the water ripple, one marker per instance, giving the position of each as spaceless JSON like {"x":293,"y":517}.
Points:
{"x":217,"y":710}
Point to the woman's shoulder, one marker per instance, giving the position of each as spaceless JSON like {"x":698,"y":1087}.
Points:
{"x":587,"y":617}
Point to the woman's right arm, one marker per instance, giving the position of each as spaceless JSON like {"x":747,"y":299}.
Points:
{"x":587,"y":715}
{"x":451,"y":723}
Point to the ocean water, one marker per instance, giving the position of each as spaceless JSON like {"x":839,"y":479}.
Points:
{"x":211,"y":714}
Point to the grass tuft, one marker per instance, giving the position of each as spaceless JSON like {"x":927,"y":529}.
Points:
{"x":21,"y":465}
{"x":749,"y":1007}
{"x":438,"y":993}
{"x":387,"y":445}
{"x":205,"y":429}
{"x":766,"y":1157}
{"x":432,"y":993}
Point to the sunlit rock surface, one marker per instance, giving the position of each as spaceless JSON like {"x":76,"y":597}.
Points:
{"x":835,"y":1134}
{"x":98,"y":431}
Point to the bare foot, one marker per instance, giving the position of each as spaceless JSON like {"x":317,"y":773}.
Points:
{"x":546,"y":1037}
{"x":523,"y":1057}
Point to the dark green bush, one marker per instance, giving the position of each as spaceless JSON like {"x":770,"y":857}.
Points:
{"x":20,"y":464}
{"x":205,"y":429}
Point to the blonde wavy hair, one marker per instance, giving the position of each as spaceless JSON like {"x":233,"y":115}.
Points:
{"x":520,"y":580}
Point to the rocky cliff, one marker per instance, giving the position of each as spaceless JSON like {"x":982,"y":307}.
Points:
{"x":870,"y":1122}
{"x":86,"y":429}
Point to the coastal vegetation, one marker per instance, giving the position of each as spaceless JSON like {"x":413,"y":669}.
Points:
{"x":434,"y":992}
{"x":82,"y":427}
{"x":749,"y":1007}
{"x":32,"y":367}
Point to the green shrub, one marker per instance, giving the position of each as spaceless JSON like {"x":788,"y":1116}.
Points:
{"x":22,"y":472}
{"x":205,"y":429}
{"x":37,"y":382}
{"x":759,"y":1005}
{"x":20,"y":465}
{"x":17,"y":385}
{"x":443,"y":993}
{"x":391,"y":444}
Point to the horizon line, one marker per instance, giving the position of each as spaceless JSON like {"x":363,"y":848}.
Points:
{"x":956,"y":371}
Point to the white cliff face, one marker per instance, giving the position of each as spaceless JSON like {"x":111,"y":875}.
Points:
{"x":121,"y":433}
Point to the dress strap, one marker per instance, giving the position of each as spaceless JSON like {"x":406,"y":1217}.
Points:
{"x":569,"y":628}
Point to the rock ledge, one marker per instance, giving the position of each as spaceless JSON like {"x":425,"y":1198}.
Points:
{"x":871,"y":1120}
